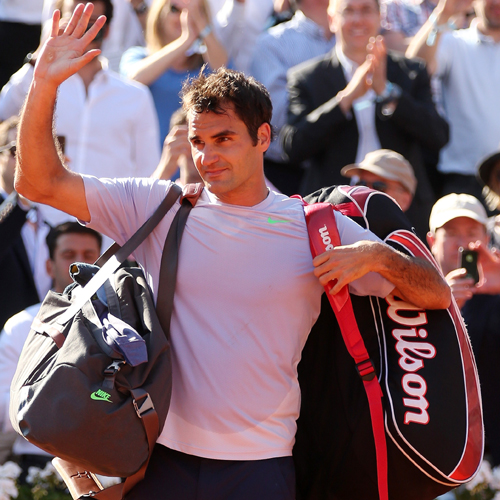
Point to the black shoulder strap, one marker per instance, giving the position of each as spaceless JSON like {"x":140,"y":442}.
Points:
{"x":115,"y":255}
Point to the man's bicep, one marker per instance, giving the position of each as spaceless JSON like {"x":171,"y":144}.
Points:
{"x":68,"y":195}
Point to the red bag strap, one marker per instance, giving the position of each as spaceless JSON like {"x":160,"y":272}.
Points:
{"x":323,"y":235}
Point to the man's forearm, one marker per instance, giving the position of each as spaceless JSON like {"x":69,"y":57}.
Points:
{"x":416,"y":279}
{"x":426,"y":41}
{"x":38,"y":161}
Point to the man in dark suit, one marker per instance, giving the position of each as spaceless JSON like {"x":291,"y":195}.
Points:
{"x":17,"y":285}
{"x":357,"y":99}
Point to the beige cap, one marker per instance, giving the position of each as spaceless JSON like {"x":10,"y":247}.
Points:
{"x":387,"y":164}
{"x":455,"y":205}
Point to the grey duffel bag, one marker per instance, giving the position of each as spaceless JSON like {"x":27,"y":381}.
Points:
{"x":94,"y":379}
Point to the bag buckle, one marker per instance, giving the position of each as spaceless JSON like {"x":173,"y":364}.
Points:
{"x":114,"y":367}
{"x":145,"y":406}
{"x":366,"y":370}
{"x":110,"y":374}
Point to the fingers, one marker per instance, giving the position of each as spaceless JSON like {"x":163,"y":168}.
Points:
{"x":92,"y":32}
{"x":56,"y":17}
{"x":80,"y":62}
{"x":331,"y":267}
{"x":75,"y":19}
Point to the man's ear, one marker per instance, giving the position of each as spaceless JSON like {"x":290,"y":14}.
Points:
{"x":49,"y":266}
{"x":431,"y":239}
{"x":332,"y":19}
{"x":264,"y":136}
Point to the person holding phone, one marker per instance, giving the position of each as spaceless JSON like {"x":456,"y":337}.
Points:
{"x":458,"y":228}
{"x":459,"y":240}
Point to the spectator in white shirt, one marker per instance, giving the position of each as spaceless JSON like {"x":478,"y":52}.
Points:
{"x":70,"y":242}
{"x":109,"y":122}
{"x":467,"y":64}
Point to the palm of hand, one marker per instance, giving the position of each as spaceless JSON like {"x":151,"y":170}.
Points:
{"x":59,"y":58}
{"x":64,"y":54}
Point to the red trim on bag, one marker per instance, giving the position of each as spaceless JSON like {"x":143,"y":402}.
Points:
{"x":323,"y":233}
{"x":468,"y":464}
{"x":51,"y":331}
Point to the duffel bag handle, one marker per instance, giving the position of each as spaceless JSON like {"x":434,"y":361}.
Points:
{"x":116,"y":255}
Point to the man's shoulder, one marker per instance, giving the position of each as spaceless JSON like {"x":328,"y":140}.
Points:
{"x":277,"y":36}
{"x":312,"y":68}
{"x":398,"y":59}
{"x":22,"y":320}
{"x":124,"y":84}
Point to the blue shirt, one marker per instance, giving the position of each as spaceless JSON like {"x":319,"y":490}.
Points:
{"x":165,"y":89}
{"x":278,"y":50}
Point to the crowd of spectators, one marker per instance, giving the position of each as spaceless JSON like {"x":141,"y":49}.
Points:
{"x":401,"y":96}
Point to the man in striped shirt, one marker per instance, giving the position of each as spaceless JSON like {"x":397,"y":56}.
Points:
{"x":305,"y":36}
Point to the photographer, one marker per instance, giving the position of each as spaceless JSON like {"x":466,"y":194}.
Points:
{"x":459,"y":221}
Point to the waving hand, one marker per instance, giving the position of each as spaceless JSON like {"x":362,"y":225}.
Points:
{"x":64,"y":54}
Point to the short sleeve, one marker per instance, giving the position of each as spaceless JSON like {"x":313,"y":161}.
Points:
{"x":130,"y":58}
{"x":371,"y":283}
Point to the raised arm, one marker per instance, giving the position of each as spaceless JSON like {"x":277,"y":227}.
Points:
{"x":426,"y":41}
{"x":40,"y":173}
{"x":416,"y":280}
{"x":195,"y":24}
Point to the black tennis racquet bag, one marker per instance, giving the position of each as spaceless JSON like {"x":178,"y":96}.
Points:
{"x":428,"y":424}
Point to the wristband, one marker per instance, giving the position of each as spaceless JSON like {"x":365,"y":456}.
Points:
{"x":391,"y":92}
{"x":29,"y":59}
{"x":438,"y":28}
{"x":205,"y":32}
{"x":141,"y":8}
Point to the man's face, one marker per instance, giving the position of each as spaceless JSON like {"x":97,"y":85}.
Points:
{"x":489,"y":12}
{"x":171,"y":20}
{"x":99,"y":10}
{"x":355,"y":22}
{"x":230,"y":165}
{"x":70,"y":248}
{"x":393,"y":188}
{"x":449,"y":238}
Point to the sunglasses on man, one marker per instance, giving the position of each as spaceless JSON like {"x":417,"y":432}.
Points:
{"x":100,"y":34}
{"x":377,"y":185}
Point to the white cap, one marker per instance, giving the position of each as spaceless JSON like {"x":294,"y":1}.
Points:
{"x":454,"y":205}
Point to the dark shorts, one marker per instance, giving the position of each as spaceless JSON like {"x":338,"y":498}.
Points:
{"x":172,"y":475}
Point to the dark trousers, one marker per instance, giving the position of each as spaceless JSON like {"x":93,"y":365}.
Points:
{"x":172,"y":475}
{"x":16,"y":40}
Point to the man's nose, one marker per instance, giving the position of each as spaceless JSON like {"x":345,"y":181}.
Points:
{"x":463,"y":241}
{"x":209,"y":156}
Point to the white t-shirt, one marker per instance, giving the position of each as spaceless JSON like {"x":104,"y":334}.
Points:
{"x":12,"y":340}
{"x":245,"y":301}
{"x":111,"y":129}
{"x":468,"y":66}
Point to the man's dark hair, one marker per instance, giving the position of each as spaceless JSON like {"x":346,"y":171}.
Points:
{"x":224,"y":88}
{"x":68,"y":228}
{"x":108,"y":9}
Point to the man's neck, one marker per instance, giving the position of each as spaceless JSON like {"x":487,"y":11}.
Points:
{"x":493,"y":33}
{"x":357,"y":56}
{"x":88,"y":72}
{"x":318,"y":14}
